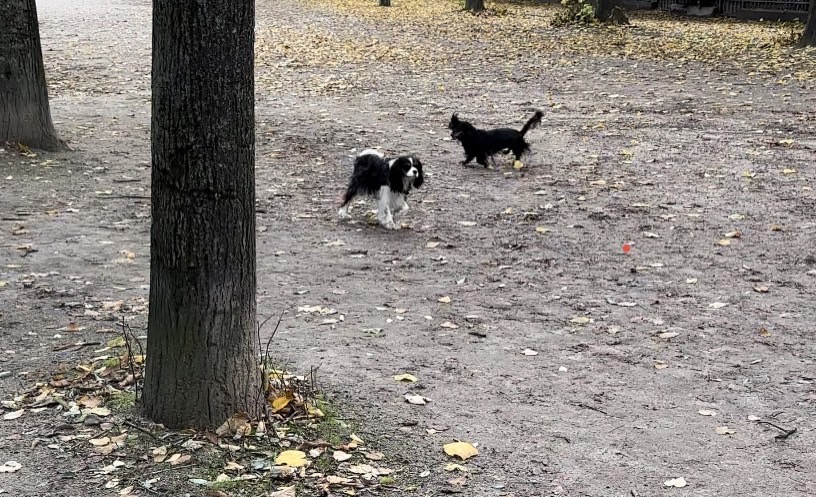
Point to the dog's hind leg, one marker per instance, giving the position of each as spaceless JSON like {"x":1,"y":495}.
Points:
{"x":482,"y":160}
{"x":468,"y":158}
{"x":343,"y":213}
{"x":519,"y":149}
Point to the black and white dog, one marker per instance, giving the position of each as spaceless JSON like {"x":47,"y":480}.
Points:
{"x":481,"y":144}
{"x":388,"y":180}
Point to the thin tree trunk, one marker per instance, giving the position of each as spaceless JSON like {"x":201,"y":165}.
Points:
{"x":202,"y":358}
{"x":25,"y":116}
{"x":809,"y":36}
{"x":474,"y":5}
{"x":385,"y":3}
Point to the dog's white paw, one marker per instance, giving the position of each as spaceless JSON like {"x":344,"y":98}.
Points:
{"x":390,"y":225}
{"x":343,"y":213}
{"x":402,"y":210}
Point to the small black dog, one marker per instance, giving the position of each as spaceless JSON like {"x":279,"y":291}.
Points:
{"x":481,"y":144}
{"x":388,"y":180}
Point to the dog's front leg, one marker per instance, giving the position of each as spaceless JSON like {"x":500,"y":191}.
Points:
{"x":384,"y":215}
{"x":401,"y":207}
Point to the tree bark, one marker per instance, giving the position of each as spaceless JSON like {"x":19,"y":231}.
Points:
{"x":202,"y":358}
{"x":385,"y":3}
{"x":603,"y":9}
{"x":474,"y":5}
{"x":809,"y":36}
{"x":25,"y":116}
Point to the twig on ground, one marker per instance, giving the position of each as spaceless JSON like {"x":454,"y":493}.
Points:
{"x":592,"y":408}
{"x":131,"y":366}
{"x":171,"y":468}
{"x":264,"y":382}
{"x":785,"y":433}
{"x":140,"y":428}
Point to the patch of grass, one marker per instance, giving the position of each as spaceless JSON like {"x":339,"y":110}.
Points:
{"x":331,"y":427}
{"x":122,"y":401}
{"x":111,"y":362}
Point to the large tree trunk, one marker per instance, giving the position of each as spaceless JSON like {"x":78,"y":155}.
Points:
{"x":809,"y":36}
{"x":24,"y":113}
{"x":474,"y":5}
{"x":202,"y":358}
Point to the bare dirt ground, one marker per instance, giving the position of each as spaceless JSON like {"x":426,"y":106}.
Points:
{"x":633,"y":350}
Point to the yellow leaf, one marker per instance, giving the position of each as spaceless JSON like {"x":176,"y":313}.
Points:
{"x":541,"y":229}
{"x":455,"y":467}
{"x":462,"y":450}
{"x":518,"y":165}
{"x":724,"y":242}
{"x":405,"y":377}
{"x":444,"y":300}
{"x":789,"y":171}
{"x":292,"y":458}
{"x":281,"y":402}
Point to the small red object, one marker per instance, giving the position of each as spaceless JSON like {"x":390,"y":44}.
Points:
{"x":626,"y":248}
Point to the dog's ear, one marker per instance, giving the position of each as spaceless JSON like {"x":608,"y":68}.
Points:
{"x":396,"y":175}
{"x":420,"y":178}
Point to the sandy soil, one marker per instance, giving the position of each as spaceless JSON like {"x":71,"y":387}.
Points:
{"x":669,"y":158}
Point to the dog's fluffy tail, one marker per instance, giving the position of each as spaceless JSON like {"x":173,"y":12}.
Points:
{"x":532,"y":123}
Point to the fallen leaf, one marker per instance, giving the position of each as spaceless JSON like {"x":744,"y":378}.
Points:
{"x":717,"y":305}
{"x":417,"y":400}
{"x":707,"y":412}
{"x":660,"y":365}
{"x":724,"y":430}
{"x":761,"y":289}
{"x":448,"y":324}
{"x":518,"y":165}
{"x":676,"y":482}
{"x":375,"y":456}
{"x":724,"y":242}
{"x":467,"y":223}
{"x":284,"y":492}
{"x":341,"y":456}
{"x":444,"y":300}
{"x":99,"y":442}
{"x":789,"y":171}
{"x":668,"y":335}
{"x":432,"y":244}
{"x":233,"y":466}
{"x":529,"y":352}
{"x":10,"y":467}
{"x":462,"y":450}
{"x":405,"y":377}
{"x":179,"y":460}
{"x":763,"y":332}
{"x":455,"y":467}
{"x":691,"y":281}
{"x":362,"y":469}
{"x":733,"y":234}
{"x":338,"y":480}
{"x":292,"y":458}
{"x":753,"y":418}
{"x":280,"y":402}
{"x":541,"y":229}
{"x":580,"y":320}
{"x":13,"y":415}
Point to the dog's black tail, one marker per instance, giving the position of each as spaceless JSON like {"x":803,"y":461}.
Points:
{"x":532,"y":123}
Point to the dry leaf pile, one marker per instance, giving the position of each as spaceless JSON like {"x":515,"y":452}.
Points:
{"x":438,"y":36}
